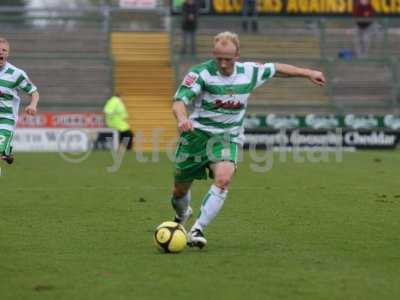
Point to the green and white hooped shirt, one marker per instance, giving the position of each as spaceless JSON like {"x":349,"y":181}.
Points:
{"x":12,"y":80}
{"x":220,"y":101}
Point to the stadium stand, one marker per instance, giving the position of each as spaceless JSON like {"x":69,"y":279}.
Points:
{"x":144,"y":78}
{"x":372,"y":81}
{"x":69,"y":83}
{"x":354,"y":85}
{"x":70,"y":59}
{"x":72,"y":68}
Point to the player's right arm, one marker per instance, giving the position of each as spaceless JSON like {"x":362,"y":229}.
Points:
{"x":189,"y":89}
{"x":180,"y":112}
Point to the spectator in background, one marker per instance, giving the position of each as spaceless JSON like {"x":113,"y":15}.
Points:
{"x":249,"y":12}
{"x":116,"y":118}
{"x":189,"y":26}
{"x":363,"y":12}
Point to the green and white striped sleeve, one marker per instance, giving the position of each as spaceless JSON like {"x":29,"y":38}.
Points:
{"x":25,"y":84}
{"x":191,"y":86}
{"x":265,"y":72}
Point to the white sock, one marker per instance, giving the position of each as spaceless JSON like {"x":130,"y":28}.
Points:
{"x":212,"y":204}
{"x":181,"y":204}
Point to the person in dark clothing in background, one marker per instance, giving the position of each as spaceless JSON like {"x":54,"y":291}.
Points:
{"x":249,"y":12}
{"x":189,"y":26}
{"x":363,"y":13}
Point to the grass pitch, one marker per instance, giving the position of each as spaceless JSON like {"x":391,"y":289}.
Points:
{"x":300,"y":231}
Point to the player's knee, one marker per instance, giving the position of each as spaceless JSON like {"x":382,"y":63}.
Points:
{"x":222,"y":181}
{"x":179,"y":192}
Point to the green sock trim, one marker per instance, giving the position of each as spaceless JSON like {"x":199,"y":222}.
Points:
{"x":204,"y":203}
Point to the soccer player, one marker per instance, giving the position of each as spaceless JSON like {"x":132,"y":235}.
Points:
{"x":12,"y":80}
{"x":211,"y":135}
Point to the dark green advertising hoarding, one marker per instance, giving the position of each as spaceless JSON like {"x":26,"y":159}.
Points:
{"x":312,"y":121}
{"x":356,"y":131}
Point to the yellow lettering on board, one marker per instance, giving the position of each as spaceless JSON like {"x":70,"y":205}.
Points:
{"x":237,"y":5}
{"x":350,"y":6}
{"x":303,"y":5}
{"x":395,"y":6}
{"x":218,"y":5}
{"x":341,"y":6}
{"x":275,"y":5}
{"x":228,"y":6}
{"x":376,"y":5}
{"x":292,"y":6}
{"x":315,"y":6}
{"x":385,"y":6}
{"x":331,"y":5}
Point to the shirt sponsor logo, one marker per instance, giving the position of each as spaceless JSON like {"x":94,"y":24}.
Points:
{"x":190,"y":79}
{"x":228,"y":104}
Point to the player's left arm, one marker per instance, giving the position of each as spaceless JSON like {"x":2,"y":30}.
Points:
{"x":284,"y":70}
{"x":26,"y":85}
{"x":31,"y":109}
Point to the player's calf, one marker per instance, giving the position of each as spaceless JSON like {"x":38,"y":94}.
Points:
{"x":184,"y":217}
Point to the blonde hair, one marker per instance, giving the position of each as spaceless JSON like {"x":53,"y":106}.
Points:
{"x":3,"y":40}
{"x":226,"y":37}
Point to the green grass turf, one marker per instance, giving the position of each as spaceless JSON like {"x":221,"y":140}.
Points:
{"x":299,"y":231}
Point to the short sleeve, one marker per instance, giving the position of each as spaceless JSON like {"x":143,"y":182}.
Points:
{"x":192,"y":85}
{"x":265,"y":72}
{"x":25,"y":84}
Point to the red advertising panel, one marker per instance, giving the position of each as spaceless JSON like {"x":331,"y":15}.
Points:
{"x":62,"y":120}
